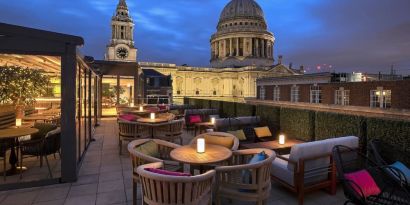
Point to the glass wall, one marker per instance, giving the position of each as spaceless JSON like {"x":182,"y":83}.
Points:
{"x":31,"y":101}
{"x":116,"y":91}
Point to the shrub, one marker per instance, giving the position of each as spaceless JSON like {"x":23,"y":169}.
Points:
{"x":228,"y":109}
{"x":297,"y":123}
{"x":393,"y":133}
{"x":243,"y":109}
{"x":270,"y":116}
{"x":330,"y":125}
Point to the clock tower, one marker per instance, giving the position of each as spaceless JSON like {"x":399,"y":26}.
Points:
{"x":121,"y":46}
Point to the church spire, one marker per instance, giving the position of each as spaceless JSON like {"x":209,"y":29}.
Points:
{"x":122,"y":5}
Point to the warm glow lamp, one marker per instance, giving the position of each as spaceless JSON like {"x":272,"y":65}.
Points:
{"x":282,"y":139}
{"x":132,"y":104}
{"x":141,"y":108}
{"x":152,"y":116}
{"x":200,"y":145}
{"x":18,"y":122}
{"x":213,"y":120}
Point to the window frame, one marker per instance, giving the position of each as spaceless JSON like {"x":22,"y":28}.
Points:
{"x":295,"y":93}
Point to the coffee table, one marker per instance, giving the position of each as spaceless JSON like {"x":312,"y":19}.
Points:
{"x":273,"y":145}
{"x":201,"y":126}
{"x":189,"y":155}
{"x":13,"y":134}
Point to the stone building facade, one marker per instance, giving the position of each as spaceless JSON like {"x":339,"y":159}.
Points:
{"x":241,"y":52}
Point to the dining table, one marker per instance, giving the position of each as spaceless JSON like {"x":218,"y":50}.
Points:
{"x":188,"y":155}
{"x":12,"y":134}
{"x":152,"y":123}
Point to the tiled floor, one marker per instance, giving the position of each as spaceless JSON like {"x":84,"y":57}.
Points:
{"x":105,"y":178}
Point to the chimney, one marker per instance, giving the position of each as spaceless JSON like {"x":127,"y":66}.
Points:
{"x":302,"y":69}
{"x":290,"y":65}
{"x":280,"y":59}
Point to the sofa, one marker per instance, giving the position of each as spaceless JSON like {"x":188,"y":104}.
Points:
{"x":310,"y":166}
{"x":203,"y":113}
{"x":246,"y":123}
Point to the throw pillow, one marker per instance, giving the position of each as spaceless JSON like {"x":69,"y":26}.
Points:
{"x":238,"y":134}
{"x":262,"y":132}
{"x":168,"y":173}
{"x":219,"y":140}
{"x":403,"y":169}
{"x":149,"y":148}
{"x":365,"y":181}
{"x":195,"y":119}
{"x":246,"y":174}
{"x":249,"y":133}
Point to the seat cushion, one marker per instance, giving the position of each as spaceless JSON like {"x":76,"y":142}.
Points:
{"x":166,"y":172}
{"x":238,"y":134}
{"x":149,"y":148}
{"x":280,"y":170}
{"x":195,"y":119}
{"x":262,"y":132}
{"x":128,"y":117}
{"x":219,"y":140}
{"x":365,"y":181}
{"x":403,"y":169}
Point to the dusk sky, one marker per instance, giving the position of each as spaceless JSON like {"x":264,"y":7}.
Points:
{"x":349,"y":35}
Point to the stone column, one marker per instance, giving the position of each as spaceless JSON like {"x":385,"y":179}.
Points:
{"x":257,"y":47}
{"x":263,"y":48}
{"x":230,"y":47}
{"x":237,"y":46}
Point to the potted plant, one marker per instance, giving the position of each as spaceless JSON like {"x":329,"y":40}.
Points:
{"x":21,"y":86}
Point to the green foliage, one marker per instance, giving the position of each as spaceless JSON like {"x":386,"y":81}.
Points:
{"x":270,"y":116}
{"x":297,"y":123}
{"x":243,"y":109}
{"x":214,"y":104}
{"x":205,"y":104}
{"x":109,"y":93}
{"x":394,"y":134}
{"x":20,"y":86}
{"x":228,"y":109}
{"x":330,"y":125}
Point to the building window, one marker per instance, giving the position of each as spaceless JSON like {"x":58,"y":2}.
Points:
{"x":342,"y":96}
{"x":276,"y":93}
{"x":214,"y":92}
{"x":380,"y":98}
{"x":294,"y":94}
{"x":197,"y":92}
{"x":178,"y":92}
{"x":262,"y":93}
{"x":315,"y":94}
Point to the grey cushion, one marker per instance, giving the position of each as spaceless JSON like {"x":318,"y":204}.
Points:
{"x":280,"y":170}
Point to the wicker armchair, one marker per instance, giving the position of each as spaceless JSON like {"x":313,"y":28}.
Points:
{"x":129,"y":131}
{"x":230,"y":181}
{"x":235,"y":143}
{"x":170,"y":131}
{"x":181,"y":190}
{"x":139,"y":158}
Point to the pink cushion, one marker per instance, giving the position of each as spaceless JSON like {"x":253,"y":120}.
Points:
{"x":366,"y":183}
{"x":166,"y":172}
{"x":195,"y":119}
{"x":162,"y":107}
{"x":128,"y":117}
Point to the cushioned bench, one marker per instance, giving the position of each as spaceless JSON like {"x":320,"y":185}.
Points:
{"x":246,"y":123}
{"x":310,"y":166}
{"x":7,"y":119}
{"x":202,"y":113}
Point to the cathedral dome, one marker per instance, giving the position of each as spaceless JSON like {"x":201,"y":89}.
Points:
{"x":242,"y":9}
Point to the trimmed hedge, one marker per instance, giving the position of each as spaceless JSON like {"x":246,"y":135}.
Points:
{"x":330,"y":125}
{"x":216,"y":105}
{"x":394,"y":134}
{"x":228,"y":109}
{"x":297,"y":123}
{"x":205,"y":104}
{"x":270,"y":116}
{"x":243,"y":109}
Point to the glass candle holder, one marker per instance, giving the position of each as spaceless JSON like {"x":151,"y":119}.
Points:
{"x":200,"y":145}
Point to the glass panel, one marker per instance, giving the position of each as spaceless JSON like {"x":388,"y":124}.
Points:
{"x":30,"y":98}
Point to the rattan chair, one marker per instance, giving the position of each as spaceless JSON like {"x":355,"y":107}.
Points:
{"x":170,"y":131}
{"x":231,"y":180}
{"x":168,"y":116}
{"x":129,"y":131}
{"x":4,"y":146}
{"x":235,"y":143}
{"x":160,"y":189}
{"x":138,"y":158}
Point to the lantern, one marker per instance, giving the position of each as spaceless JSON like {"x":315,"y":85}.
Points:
{"x":18,"y":122}
{"x":141,"y":108}
{"x":213,"y":120}
{"x":152,"y":116}
{"x":282,"y":139}
{"x":200,"y":145}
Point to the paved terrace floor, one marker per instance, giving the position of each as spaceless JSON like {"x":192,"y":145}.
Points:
{"x":105,"y":178}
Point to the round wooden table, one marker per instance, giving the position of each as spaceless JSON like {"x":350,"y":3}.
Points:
{"x":14,"y":133}
{"x":152,"y":121}
{"x":213,"y":154}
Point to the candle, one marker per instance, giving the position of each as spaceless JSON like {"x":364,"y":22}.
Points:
{"x":213,"y":120}
{"x":152,"y":116}
{"x":18,"y":122}
{"x":200,"y":145}
{"x":141,"y":108}
{"x":282,"y":139}
{"x":132,"y":104}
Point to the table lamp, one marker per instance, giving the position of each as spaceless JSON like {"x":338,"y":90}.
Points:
{"x":18,"y":122}
{"x":141,"y":108}
{"x":213,"y":120}
{"x":200,"y":145}
{"x":152,"y":116}
{"x":132,"y":104}
{"x":282,"y":139}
